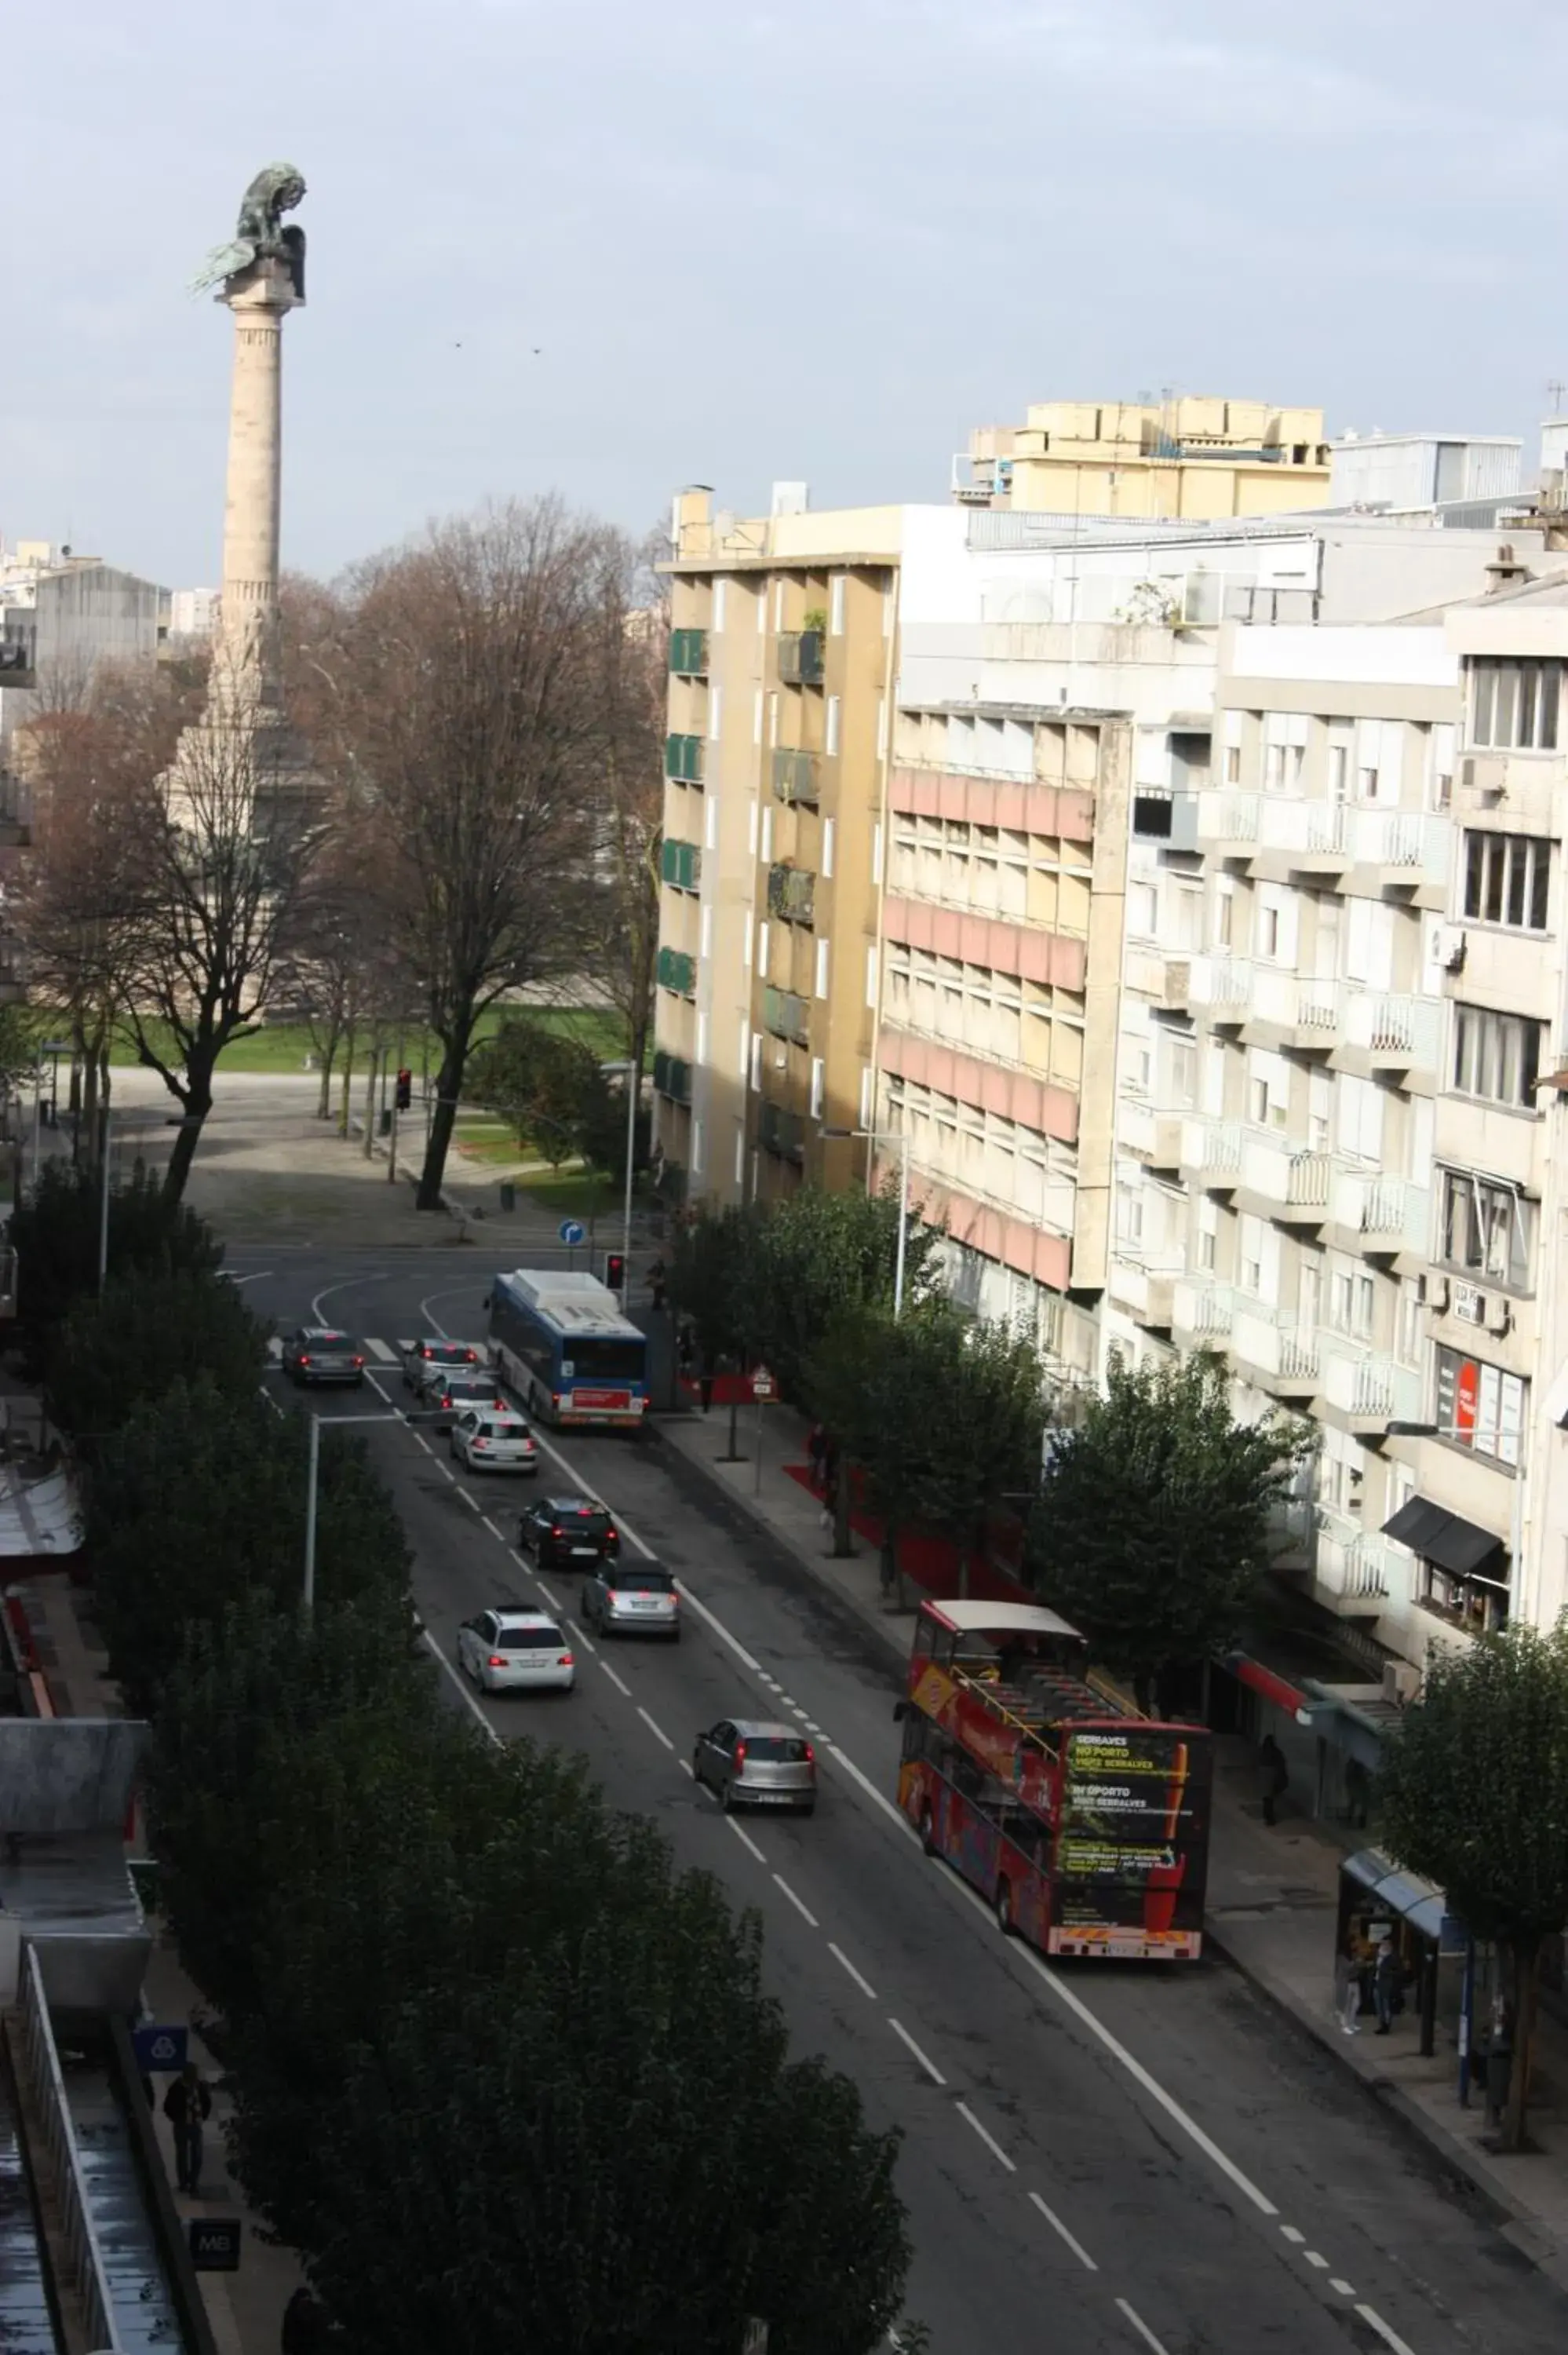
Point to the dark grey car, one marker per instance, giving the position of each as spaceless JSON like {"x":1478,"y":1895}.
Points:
{"x":752,"y":1761}
{"x":320,"y":1353}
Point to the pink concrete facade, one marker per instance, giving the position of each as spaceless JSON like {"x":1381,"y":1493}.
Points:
{"x":1011,"y":1095}
{"x":1012,"y":1243}
{"x":1033,"y":955}
{"x":1018,"y":804}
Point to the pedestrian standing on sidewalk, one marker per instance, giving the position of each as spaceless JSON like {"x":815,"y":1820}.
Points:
{"x":1348,"y":1983}
{"x":1386,"y":1982}
{"x":657,"y":1282}
{"x":1273,"y":1776}
{"x":188,"y":2106}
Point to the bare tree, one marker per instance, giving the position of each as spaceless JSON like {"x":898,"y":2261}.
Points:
{"x":469,"y":667}
{"x":185,"y":870}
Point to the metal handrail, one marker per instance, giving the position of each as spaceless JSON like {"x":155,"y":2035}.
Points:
{"x":62,"y":2159}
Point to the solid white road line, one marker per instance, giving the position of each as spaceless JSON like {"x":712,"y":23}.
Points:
{"x":1057,"y":2226}
{"x":1141,"y":2328}
{"x":990,"y":2140}
{"x":1374,"y":2321}
{"x":381,"y":1353}
{"x":840,"y":1957}
{"x":255,"y":1276}
{"x":642,"y":1713}
{"x":349,"y":1284}
{"x":462,"y":1683}
{"x":804,"y":1911}
{"x":745,"y":1839}
{"x":906,"y":2039}
{"x":615,"y":1681}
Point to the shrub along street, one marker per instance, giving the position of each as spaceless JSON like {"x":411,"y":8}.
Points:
{"x":478,"y":2126}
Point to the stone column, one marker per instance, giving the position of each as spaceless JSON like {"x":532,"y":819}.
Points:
{"x":245,"y":675}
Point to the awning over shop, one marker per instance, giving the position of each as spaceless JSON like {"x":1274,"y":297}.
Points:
{"x":1404,"y":1894}
{"x":1456,"y":1545}
{"x":1263,"y":1680}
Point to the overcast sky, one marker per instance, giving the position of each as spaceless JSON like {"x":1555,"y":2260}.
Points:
{"x":608,"y":247}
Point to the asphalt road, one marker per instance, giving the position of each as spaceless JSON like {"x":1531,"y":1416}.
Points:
{"x":1099,"y":2158}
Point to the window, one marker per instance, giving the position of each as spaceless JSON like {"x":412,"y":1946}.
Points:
{"x":696,"y":1155}
{"x":1489,"y":1228}
{"x":740,"y":1155}
{"x":1352,"y":1301}
{"x":827,"y":846}
{"x":836,"y":605}
{"x":1338,"y":771}
{"x":1495,"y":1056}
{"x":710,"y":822}
{"x":757,"y":1059}
{"x":706,"y":931}
{"x":831,"y":736}
{"x":1250,"y":1269}
{"x":1234,"y":721}
{"x":1142,"y":904}
{"x":821,"y":969}
{"x":762,"y":949}
{"x":1506,"y":878}
{"x":1182,"y":1062}
{"x":1513,"y":705}
{"x":746,"y":943}
{"x":1378,"y":746}
{"x":816,"y":1087}
{"x":767,"y":836}
{"x":1479,"y":1406}
{"x":717,"y":620}
{"x":758,"y":702}
{"x":1225,"y":910}
{"x":1208,"y":1232}
{"x":1440,"y":765}
{"x":715,"y":713}
{"x":876,"y":853}
{"x":778,"y":605}
{"x":744,"y":1064}
{"x":870,"y":976}
{"x":1284,"y":750}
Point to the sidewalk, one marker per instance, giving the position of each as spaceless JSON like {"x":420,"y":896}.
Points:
{"x":1272,"y":1893}
{"x":245,"y":2309}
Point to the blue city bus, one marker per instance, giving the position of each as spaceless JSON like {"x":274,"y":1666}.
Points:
{"x":564,"y":1346}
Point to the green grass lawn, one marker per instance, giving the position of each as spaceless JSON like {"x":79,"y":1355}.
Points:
{"x":282,"y":1047}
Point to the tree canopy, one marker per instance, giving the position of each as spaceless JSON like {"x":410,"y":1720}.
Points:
{"x":1150,"y":1530}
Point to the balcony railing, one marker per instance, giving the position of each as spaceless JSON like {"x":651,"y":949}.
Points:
{"x":800,"y":658}
{"x":1309,"y":1010}
{"x":1368,"y":1386}
{"x":1284,"y":1175}
{"x":684,"y":759}
{"x":795,"y":776}
{"x":1398,"y":1033}
{"x":672,"y":1076}
{"x":781,"y":1132}
{"x":689,"y":652}
{"x":1213,"y":1149}
{"x":1224,"y":984}
{"x":1202,"y":1307}
{"x":1390,"y":1214}
{"x":681,"y":863}
{"x":1353,"y":1566}
{"x":791,"y":895}
{"x":787,"y":1015}
{"x":677,"y":971}
{"x":1274,"y":1341}
{"x":1412,"y":843}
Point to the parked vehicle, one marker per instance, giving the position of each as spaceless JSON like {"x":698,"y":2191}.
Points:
{"x":515,"y":1651}
{"x":637,"y":1598}
{"x":320,"y":1353}
{"x":419,"y":1357}
{"x":489,"y":1440}
{"x":567,"y":1533}
{"x":752,"y":1761}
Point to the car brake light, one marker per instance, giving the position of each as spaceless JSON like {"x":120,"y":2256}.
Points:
{"x":740,"y":1753}
{"x":566,"y":1660}
{"x":811,"y":1755}
{"x":359,"y":1361}
{"x":304,"y":1357}
{"x":498,"y":1660}
{"x":482,"y":1442}
{"x":557,"y":1533}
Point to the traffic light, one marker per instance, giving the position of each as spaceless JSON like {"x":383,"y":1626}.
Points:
{"x":405,"y":1088}
{"x":615,"y":1270}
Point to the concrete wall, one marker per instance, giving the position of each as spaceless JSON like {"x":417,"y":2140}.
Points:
{"x":66,"y":1774}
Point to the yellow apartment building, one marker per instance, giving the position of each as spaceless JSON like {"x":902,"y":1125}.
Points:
{"x":1186,"y":458}
{"x":783,"y":641}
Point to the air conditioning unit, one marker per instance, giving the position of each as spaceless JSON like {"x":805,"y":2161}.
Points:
{"x":781,"y":1057}
{"x":1401,"y":1683}
{"x":1499,"y":1316}
{"x":1448,"y":947}
{"x":1434,"y":1292}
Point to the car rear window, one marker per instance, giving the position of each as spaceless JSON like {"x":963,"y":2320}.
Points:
{"x":493,"y":1428}
{"x":469,"y":1386}
{"x":781,"y":1748}
{"x":584,"y":1518}
{"x":328,"y":1341}
{"x":646,"y":1582}
{"x":530,"y":1639}
{"x":449,"y":1353}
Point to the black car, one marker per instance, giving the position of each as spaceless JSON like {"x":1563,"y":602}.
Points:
{"x":318,"y":1353}
{"x":569,"y":1533}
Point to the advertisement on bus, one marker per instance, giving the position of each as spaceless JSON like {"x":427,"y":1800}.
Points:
{"x":1132,"y":1835}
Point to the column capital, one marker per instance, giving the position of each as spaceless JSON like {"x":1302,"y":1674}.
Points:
{"x":264,"y":286}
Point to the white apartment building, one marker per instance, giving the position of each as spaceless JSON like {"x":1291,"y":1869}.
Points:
{"x":73,"y":611}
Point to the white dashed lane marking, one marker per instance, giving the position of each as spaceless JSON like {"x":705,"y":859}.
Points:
{"x":840,"y":1958}
{"x":906,"y":2039}
{"x":1141,"y":2328}
{"x":1057,"y":2226}
{"x":647,"y":1721}
{"x":988,"y":2139}
{"x":804,"y":1911}
{"x":615,"y":1681}
{"x":745,"y":1839}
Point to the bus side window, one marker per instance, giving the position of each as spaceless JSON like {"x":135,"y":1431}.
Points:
{"x":914,"y":1735}
{"x":925,"y":1632}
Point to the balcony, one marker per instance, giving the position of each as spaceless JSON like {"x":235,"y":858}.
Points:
{"x":1211,"y":1151}
{"x":791,"y":895}
{"x":795,"y":777}
{"x":1397,"y":1034}
{"x":1409,"y":846}
{"x":800,"y":658}
{"x":1305,"y":1014}
{"x":1201,"y":1309}
{"x":1292,"y":1185}
{"x":1355,"y":1571}
{"x":681,"y":863}
{"x":17,"y":657}
{"x":672,"y":1076}
{"x":1313,"y":838}
{"x":1227,"y":820}
{"x":677,"y":971}
{"x":781,"y":1132}
{"x":786,"y":1015}
{"x":1387,"y":1215}
{"x":1222,"y":987}
{"x":1272,"y":1345}
{"x":689,"y":652}
{"x":684,"y":759}
{"x":1369,"y":1388}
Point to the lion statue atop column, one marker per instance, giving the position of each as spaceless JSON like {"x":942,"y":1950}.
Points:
{"x":259,"y":234}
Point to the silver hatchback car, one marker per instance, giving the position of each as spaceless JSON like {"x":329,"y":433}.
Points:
{"x":633,"y":1598}
{"x":751,"y":1761}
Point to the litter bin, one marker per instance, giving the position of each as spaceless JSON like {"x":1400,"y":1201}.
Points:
{"x":508,"y":1195}
{"x":387,"y":1121}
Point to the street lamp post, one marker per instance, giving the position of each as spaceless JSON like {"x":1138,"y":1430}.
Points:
{"x":312,"y":1477}
{"x":900,"y":1137}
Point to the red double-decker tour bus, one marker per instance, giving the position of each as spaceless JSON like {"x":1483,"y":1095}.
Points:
{"x":1085,"y":1825}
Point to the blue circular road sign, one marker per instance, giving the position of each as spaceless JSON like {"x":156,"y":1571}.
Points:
{"x":572,"y":1231}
